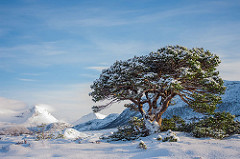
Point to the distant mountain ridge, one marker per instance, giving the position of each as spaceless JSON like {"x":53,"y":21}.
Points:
{"x":89,"y":117}
{"x":96,"y":124}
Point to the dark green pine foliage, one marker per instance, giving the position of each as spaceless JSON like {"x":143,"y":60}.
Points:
{"x":175,"y":123}
{"x":133,"y":130}
{"x":219,"y":126}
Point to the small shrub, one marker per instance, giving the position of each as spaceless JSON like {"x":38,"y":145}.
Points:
{"x":170,"y":137}
{"x":59,"y":136}
{"x":133,"y":130}
{"x":43,"y":135}
{"x":142,"y":145}
{"x":159,"y":138}
{"x":46,"y":136}
{"x":175,"y":123}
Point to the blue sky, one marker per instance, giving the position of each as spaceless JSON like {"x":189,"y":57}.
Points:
{"x":51,"y":51}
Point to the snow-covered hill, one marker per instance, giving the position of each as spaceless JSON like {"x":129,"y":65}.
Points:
{"x":231,"y":99}
{"x":57,"y":127}
{"x":35,"y":116}
{"x":89,"y":117}
{"x":96,"y":124}
{"x":31,"y":119}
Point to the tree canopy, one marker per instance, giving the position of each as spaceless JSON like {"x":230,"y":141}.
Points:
{"x":155,"y":79}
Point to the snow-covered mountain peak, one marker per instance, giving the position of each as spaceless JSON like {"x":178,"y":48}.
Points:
{"x":99,"y":116}
{"x":96,"y":124}
{"x":88,"y":117}
{"x":39,"y":109}
{"x":36,"y":115}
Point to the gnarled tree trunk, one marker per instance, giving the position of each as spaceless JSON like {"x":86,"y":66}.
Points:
{"x":153,"y":121}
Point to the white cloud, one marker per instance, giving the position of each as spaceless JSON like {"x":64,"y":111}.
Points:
{"x":42,"y":48}
{"x":97,"y":21}
{"x":31,"y":74}
{"x":230,"y":71}
{"x":45,"y":54}
{"x":97,"y":68}
{"x":9,"y":106}
{"x":27,"y":80}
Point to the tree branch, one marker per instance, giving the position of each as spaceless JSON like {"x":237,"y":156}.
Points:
{"x":101,"y":107}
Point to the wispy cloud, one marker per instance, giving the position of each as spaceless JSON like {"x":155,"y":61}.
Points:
{"x":42,"y":48}
{"x":90,"y":16}
{"x":44,"y":54}
{"x":97,"y":68}
{"x":106,"y":17}
{"x":31,"y":74}
{"x":124,"y":49}
{"x":27,"y":80}
{"x":230,"y":71}
{"x":11,"y":105}
{"x":222,"y":40}
{"x":60,"y":52}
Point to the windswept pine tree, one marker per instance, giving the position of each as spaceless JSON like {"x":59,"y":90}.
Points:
{"x":155,"y":79}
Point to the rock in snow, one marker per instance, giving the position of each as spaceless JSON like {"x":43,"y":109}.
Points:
{"x":70,"y":133}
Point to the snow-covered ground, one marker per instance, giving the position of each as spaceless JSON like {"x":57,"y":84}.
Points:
{"x":87,"y":148}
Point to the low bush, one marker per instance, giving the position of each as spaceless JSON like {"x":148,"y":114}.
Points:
{"x":142,"y":145}
{"x":133,"y":130}
{"x":175,"y":123}
{"x":219,"y":125}
{"x":170,"y":137}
